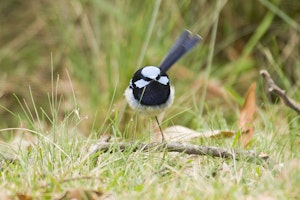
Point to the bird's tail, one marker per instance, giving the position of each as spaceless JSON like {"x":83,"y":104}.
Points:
{"x":183,"y":44}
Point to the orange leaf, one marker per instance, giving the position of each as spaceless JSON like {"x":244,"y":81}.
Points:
{"x":245,"y":123}
{"x":24,"y":196}
{"x":79,"y":193}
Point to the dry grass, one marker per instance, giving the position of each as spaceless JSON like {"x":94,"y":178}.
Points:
{"x":64,"y":66}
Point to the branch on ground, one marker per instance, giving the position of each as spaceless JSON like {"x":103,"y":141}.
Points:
{"x":278,"y":91}
{"x":249,"y":156}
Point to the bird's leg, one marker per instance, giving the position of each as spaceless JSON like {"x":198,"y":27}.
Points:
{"x":162,"y":135}
{"x":134,"y":127}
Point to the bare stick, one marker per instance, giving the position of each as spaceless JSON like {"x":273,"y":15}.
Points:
{"x":250,"y":156}
{"x":278,"y":91}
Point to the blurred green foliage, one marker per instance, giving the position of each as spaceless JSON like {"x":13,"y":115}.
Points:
{"x":100,"y":43}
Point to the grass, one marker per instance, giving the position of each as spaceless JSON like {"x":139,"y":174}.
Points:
{"x":65,"y":66}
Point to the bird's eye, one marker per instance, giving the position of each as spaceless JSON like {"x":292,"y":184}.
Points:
{"x":147,"y":79}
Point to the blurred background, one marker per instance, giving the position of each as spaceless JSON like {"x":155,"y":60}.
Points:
{"x":64,"y":57}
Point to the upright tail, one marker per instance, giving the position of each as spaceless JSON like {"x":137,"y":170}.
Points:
{"x":183,"y":44}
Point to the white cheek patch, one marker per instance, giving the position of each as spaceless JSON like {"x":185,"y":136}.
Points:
{"x":141,"y":83}
{"x":150,"y":72}
{"x":163,"y":80}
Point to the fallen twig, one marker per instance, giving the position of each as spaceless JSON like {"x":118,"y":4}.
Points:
{"x":250,"y":156}
{"x":278,"y":91}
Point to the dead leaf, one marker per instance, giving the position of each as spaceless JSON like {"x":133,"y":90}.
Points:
{"x":81,"y":194}
{"x":109,"y":196}
{"x":23,"y":141}
{"x":24,"y":196}
{"x":181,"y":133}
{"x":265,"y":196}
{"x":245,"y":123}
{"x":4,"y":196}
{"x":75,"y":194}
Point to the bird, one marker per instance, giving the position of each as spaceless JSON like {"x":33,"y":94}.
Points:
{"x":150,"y":91}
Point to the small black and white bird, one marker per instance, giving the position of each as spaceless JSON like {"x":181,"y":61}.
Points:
{"x":150,"y":91}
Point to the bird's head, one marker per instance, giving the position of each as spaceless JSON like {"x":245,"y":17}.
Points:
{"x":148,"y":74}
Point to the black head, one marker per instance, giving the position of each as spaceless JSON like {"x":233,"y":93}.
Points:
{"x":150,"y":86}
